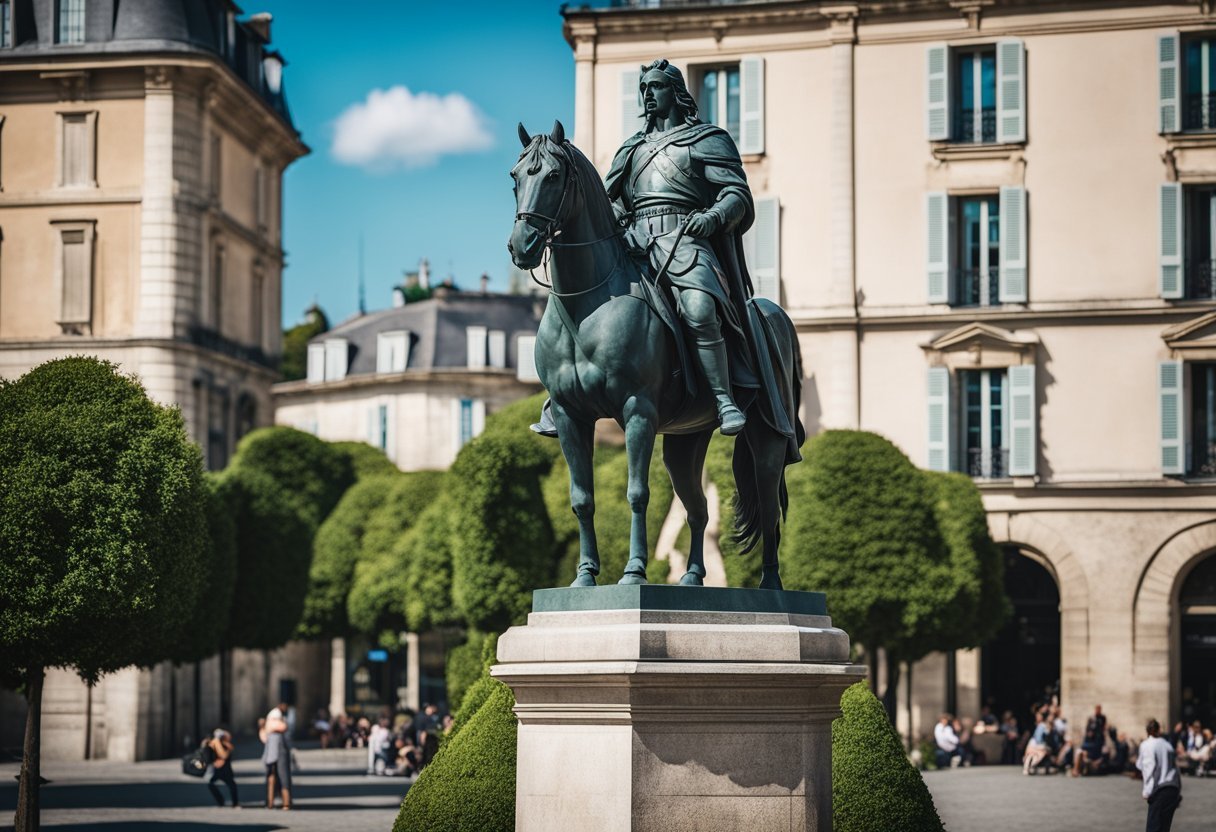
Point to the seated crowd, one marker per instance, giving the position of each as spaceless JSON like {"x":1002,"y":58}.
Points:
{"x":400,"y":744}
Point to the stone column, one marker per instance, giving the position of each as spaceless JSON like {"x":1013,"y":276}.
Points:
{"x":413,"y":673}
{"x":673,"y":708}
{"x":583,"y":38}
{"x":337,"y":677}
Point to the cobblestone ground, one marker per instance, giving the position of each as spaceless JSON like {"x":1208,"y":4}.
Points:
{"x":329,"y":794}
{"x":1001,"y":799}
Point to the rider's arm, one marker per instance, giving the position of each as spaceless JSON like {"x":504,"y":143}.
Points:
{"x":723,"y":170}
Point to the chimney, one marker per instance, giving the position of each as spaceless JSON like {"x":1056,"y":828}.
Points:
{"x":260,"y":23}
{"x":485,"y":283}
{"x":424,"y":273}
{"x":398,"y":297}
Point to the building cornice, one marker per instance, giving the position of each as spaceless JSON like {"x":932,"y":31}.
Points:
{"x":454,"y":375}
{"x":930,"y":317}
{"x":72,"y":344}
{"x":55,"y":197}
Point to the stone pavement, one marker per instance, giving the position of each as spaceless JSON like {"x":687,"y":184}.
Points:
{"x":1002,"y":799}
{"x":329,"y":794}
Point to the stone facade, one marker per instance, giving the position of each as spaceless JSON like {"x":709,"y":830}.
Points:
{"x":993,"y":237}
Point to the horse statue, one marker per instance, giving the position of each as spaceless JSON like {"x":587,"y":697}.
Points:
{"x":603,"y":350}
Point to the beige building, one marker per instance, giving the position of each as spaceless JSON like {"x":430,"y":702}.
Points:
{"x":142,"y":145}
{"x":992,"y":222}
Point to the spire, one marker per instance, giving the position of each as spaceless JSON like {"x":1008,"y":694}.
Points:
{"x":362,"y":287}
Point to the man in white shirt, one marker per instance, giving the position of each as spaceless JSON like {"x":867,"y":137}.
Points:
{"x":947,"y":741}
{"x":1162,"y":783}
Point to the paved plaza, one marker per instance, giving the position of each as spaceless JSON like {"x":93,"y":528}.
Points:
{"x":331,"y":794}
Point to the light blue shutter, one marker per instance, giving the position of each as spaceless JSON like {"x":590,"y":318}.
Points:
{"x":1013,"y":245}
{"x":1011,"y":91}
{"x":1169,"y":83}
{"x":937,"y":98}
{"x":941,"y":454}
{"x":751,"y":104}
{"x":1169,"y":392}
{"x":1170,"y":280}
{"x":937,"y":260}
{"x":631,"y":106}
{"x":762,"y":248}
{"x":1023,"y":449}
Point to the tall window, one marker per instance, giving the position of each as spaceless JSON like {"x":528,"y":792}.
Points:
{"x":718,"y":98}
{"x":69,"y":21}
{"x":217,"y":288}
{"x":1198,"y":236}
{"x":213,"y":184}
{"x":1203,"y":420}
{"x":74,"y":275}
{"x":257,"y":292}
{"x":1198,"y":84}
{"x":6,"y":23}
{"x":975,"y":95}
{"x":77,"y":156}
{"x":466,"y":421}
{"x":977,"y":277}
{"x":985,"y":421}
{"x":382,"y":427}
{"x":217,"y":429}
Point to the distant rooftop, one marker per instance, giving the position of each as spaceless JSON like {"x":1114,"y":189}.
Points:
{"x":71,"y":29}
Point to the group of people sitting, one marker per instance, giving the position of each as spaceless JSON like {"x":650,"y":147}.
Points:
{"x":1196,"y":748}
{"x":1100,"y":749}
{"x":399,"y":744}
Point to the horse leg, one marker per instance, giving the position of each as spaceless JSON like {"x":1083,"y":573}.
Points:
{"x":640,"y":419}
{"x":577,"y":441}
{"x":768,"y":456}
{"x":684,"y":456}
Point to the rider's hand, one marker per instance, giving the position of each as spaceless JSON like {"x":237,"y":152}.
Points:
{"x":701,"y":225}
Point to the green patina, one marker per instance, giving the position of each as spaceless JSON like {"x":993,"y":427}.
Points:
{"x":678,"y":598}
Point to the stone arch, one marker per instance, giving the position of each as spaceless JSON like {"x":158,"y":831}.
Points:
{"x":1154,"y":619}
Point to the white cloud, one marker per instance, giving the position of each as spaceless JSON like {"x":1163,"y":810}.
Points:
{"x":398,"y":128}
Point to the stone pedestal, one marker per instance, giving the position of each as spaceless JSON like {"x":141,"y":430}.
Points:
{"x":647,"y":708}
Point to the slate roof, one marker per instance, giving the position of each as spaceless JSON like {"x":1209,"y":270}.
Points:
{"x":437,"y":329}
{"x":124,"y":27}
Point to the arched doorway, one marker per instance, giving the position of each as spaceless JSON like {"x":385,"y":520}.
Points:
{"x":1021,"y":666}
{"x":1197,"y":617}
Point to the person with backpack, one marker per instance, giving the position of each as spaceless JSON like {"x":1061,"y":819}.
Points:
{"x":221,"y":749}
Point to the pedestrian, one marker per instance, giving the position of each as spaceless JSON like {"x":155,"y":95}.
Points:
{"x":221,"y":767}
{"x":1162,"y":783}
{"x":276,"y":756}
{"x":946,"y":739}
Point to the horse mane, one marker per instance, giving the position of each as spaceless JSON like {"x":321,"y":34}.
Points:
{"x":587,"y":178}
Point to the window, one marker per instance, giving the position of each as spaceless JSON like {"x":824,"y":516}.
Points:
{"x":259,"y":196}
{"x":976,"y":95}
{"x":76,"y":149}
{"x":6,"y":23}
{"x":1198,"y":84}
{"x":213,"y":183}
{"x":476,"y":347}
{"x":977,"y":248}
{"x":256,"y":315}
{"x":1187,"y":406}
{"x":470,"y":417}
{"x":1188,"y":235}
{"x":1203,"y":420}
{"x":392,"y":352}
{"x":337,"y":359}
{"x":246,"y":415}
{"x":217,"y":288}
{"x":74,"y":275}
{"x":497,"y":348}
{"x":382,"y":427}
{"x":988,"y":415}
{"x":69,"y":21}
{"x":316,"y":363}
{"x":525,"y":358}
{"x":217,"y":429}
{"x":718,"y":98}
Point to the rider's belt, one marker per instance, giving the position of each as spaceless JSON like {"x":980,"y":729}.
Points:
{"x":661,"y":211}
{"x":659,"y":220}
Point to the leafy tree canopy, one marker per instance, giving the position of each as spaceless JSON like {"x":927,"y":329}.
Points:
{"x":208,"y":629}
{"x":300,"y":463}
{"x":365,"y":460}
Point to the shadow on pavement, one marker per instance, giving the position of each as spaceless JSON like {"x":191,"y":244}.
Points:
{"x":161,"y":826}
{"x":194,"y":794}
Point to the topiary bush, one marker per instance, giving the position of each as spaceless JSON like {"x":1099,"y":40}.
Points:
{"x":298,"y":462}
{"x":401,"y":508}
{"x":470,"y":785}
{"x":464,"y":665}
{"x":874,"y":787}
{"x":365,"y":460}
{"x":208,"y":627}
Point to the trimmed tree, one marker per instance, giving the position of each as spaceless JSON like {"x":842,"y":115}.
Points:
{"x":874,"y":787}
{"x":102,"y":532}
{"x":365,"y":460}
{"x":315,"y":472}
{"x":208,"y":629}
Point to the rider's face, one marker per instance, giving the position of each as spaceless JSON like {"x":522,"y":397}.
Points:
{"x":657,"y":94}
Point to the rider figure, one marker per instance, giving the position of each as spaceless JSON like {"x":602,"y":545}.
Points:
{"x":679,"y":171}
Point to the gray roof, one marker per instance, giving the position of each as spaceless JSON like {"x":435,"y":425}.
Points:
{"x":437,"y":329}
{"x":123,"y":27}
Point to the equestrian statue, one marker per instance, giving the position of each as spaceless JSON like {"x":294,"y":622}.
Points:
{"x":651,"y":321}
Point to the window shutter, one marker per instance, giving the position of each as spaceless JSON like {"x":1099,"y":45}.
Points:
{"x":1023,"y":450}
{"x":937,"y":213}
{"x":630,"y":103}
{"x":1169,"y":83}
{"x":337,"y":359}
{"x":762,"y":248}
{"x":1011,"y":91}
{"x":476,"y":353}
{"x":316,"y":363}
{"x":1013,"y":245}
{"x":479,"y":417}
{"x":498,"y":348}
{"x":1170,"y":282}
{"x":937,"y":99}
{"x":1169,"y":391}
{"x":525,"y":358}
{"x":941,"y":454}
{"x":751,"y":104}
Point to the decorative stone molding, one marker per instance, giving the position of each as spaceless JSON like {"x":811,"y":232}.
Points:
{"x":73,"y":83}
{"x":1193,"y":340}
{"x":981,"y":345}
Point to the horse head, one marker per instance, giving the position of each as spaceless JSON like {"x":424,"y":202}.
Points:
{"x":544,"y":194}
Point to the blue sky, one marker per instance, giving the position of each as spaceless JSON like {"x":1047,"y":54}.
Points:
{"x":507,"y":60}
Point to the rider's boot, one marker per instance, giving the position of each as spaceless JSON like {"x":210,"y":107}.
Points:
{"x":712,"y":357}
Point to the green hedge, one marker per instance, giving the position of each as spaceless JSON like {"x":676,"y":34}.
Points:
{"x":365,"y":460}
{"x":874,"y":787}
{"x":316,"y":472}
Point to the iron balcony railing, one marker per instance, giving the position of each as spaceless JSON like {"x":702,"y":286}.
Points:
{"x":1199,"y":111}
{"x":967,"y":132}
{"x":209,"y":339}
{"x":988,"y":463}
{"x":1203,"y":460}
{"x":969,"y":285}
{"x":1201,"y":279}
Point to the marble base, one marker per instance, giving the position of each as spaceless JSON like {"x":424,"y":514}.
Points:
{"x":675,"y":719}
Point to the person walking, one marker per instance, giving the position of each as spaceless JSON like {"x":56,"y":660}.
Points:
{"x":1162,"y":783}
{"x":221,"y":767}
{"x":276,"y":756}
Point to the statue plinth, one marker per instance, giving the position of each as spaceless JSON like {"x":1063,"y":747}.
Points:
{"x":675,"y":708}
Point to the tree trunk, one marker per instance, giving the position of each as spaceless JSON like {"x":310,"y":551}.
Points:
{"x":890,"y":695}
{"x":908,"y":706}
{"x":27,"y":818}
{"x":198,"y":704}
{"x":868,"y":657}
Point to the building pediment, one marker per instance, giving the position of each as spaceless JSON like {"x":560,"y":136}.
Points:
{"x":981,"y":345}
{"x":1194,"y":339}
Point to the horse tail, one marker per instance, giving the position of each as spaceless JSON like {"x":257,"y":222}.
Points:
{"x":749,"y":527}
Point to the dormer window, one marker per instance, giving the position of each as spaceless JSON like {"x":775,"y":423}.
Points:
{"x":69,"y":21}
{"x":392,"y":352}
{"x":6,"y":23}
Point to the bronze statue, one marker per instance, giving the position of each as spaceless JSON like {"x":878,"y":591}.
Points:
{"x":641,"y":272}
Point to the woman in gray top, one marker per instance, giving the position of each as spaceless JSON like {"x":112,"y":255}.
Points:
{"x":276,"y":756}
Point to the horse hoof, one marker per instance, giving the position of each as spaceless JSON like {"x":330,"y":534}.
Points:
{"x":691,"y":579}
{"x":584,"y":579}
{"x":632,"y":579}
{"x":771,"y":581}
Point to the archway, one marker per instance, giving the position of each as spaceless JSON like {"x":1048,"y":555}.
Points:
{"x":1197,"y":651}
{"x":1021,"y":665}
